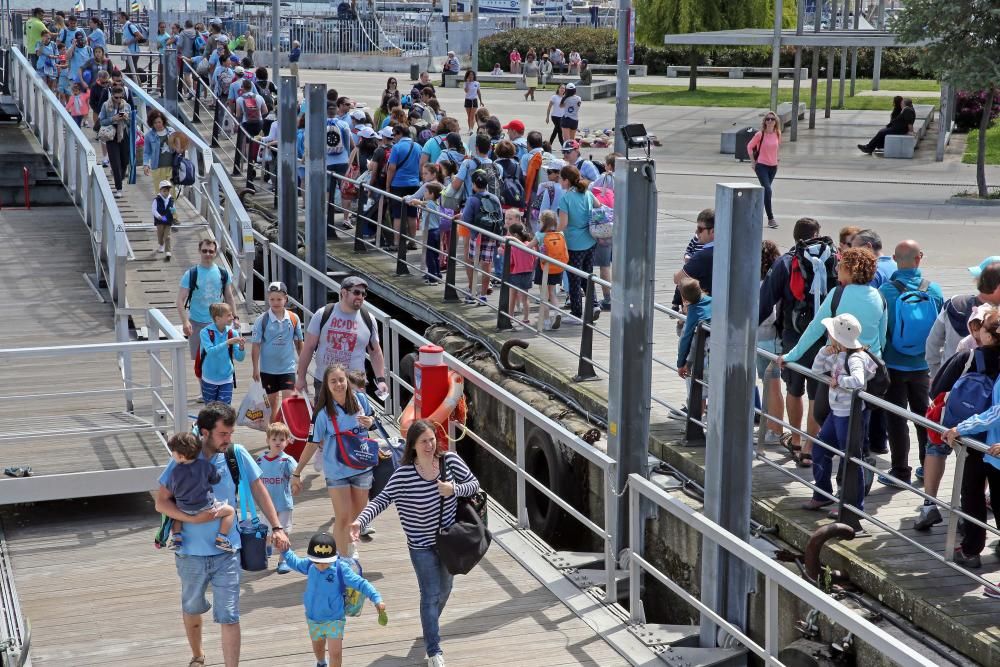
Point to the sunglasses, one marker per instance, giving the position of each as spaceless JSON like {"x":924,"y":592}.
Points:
{"x":207,"y":251}
{"x":771,"y":118}
{"x":358,"y":292}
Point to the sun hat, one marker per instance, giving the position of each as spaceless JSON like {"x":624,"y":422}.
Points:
{"x":976,"y":271}
{"x":166,"y":184}
{"x":845,"y":329}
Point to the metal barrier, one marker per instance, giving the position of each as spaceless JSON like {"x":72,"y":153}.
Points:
{"x":776,"y":578}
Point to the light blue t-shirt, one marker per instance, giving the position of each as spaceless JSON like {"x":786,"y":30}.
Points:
{"x":78,"y":60}
{"x":199,"y":538}
{"x":432,"y":149}
{"x":97,"y":38}
{"x":131,"y":31}
{"x":406,"y":156}
{"x":469,"y":166}
{"x":577,"y":206}
{"x":323,"y":432}
{"x":277,"y":352}
{"x":345,"y":141}
{"x":277,"y":477}
{"x":885,"y":266}
{"x":207,"y":292}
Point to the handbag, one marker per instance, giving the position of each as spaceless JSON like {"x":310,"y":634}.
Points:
{"x":353,"y":450}
{"x":106,"y":133}
{"x":253,"y":533}
{"x":463,"y":544}
{"x":348,"y":188}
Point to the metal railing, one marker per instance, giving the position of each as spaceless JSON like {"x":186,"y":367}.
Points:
{"x":776,"y":578}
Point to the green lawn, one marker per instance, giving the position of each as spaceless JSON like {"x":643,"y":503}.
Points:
{"x":757,"y":98}
{"x":992,"y":146}
{"x":921,"y":85}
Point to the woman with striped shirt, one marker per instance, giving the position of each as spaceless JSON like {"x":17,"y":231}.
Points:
{"x":416,"y":489}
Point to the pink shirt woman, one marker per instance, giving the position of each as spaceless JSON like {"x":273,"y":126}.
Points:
{"x":515,"y":61}
{"x":763,"y":149}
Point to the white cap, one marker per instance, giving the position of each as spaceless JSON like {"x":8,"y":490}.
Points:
{"x":366,"y":132}
{"x":239,"y":70}
{"x":358,"y":114}
{"x":386,"y":132}
{"x":166,"y":184}
{"x":554,"y":165}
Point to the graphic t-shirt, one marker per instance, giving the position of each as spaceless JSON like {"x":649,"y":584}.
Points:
{"x":471,"y":90}
{"x":276,"y":474}
{"x":207,"y":291}
{"x":325,"y":433}
{"x":343,"y":341}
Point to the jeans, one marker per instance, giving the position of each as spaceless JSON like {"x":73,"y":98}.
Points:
{"x":584,"y":261}
{"x":834,"y":433}
{"x":765,"y":174}
{"x":431,"y":257}
{"x":435,"y":583}
{"x":906,"y":387}
{"x":977,"y":474}
{"x":217,"y":392}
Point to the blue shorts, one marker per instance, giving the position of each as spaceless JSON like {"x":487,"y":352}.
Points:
{"x":941,"y":451}
{"x":326,"y":629}
{"x":363,"y":480}
{"x":223,"y":573}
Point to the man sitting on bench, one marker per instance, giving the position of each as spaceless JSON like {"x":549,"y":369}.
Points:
{"x":901,"y":124}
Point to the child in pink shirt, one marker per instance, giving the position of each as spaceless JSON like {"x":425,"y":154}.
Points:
{"x":78,"y":104}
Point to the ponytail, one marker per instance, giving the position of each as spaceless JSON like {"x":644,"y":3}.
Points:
{"x":572,"y":176}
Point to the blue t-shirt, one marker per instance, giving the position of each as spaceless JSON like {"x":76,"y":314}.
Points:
{"x":469,"y":166}
{"x":131,"y":31}
{"x":199,"y":538}
{"x":97,"y":38}
{"x":277,"y":477}
{"x":406,"y":156}
{"x":433,"y":147}
{"x":207,"y":292}
{"x":345,"y":141}
{"x":277,"y":352}
{"x":885,"y":266}
{"x":577,"y":206}
{"x":191,"y":485}
{"x":323,"y":432}
{"x":78,"y":60}
{"x":324,"y":594}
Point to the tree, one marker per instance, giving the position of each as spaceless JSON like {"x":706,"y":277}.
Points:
{"x":963,"y":49}
{"x":656,"y":18}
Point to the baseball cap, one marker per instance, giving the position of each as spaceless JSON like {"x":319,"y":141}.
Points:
{"x":386,"y":132}
{"x":322,"y":548}
{"x":570,"y":145}
{"x":358,"y":114}
{"x":234,"y":59}
{"x":515,"y":125}
{"x":976,"y":271}
{"x":353,"y":281}
{"x":570,"y":86}
{"x":166,"y":184}
{"x":277,"y":287}
{"x":366,"y":132}
{"x":239,"y":70}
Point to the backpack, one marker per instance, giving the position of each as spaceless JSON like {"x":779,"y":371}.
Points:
{"x":251,"y":109}
{"x":536,"y":201}
{"x":200,"y":359}
{"x":226,"y":77}
{"x":334,"y":139}
{"x":489,"y":218}
{"x":971,"y":395}
{"x":204,"y":68}
{"x":354,"y":601}
{"x":879,"y":384}
{"x":813,"y":274}
{"x":292,"y":317}
{"x":192,"y":276}
{"x":365,"y":316}
{"x":531,"y":177}
{"x":554,"y":246}
{"x":915,"y":315}
{"x":493,"y":182}
{"x":511,"y":188}
{"x":268,"y":96}
{"x":183,"y":172}
{"x":199,"y":43}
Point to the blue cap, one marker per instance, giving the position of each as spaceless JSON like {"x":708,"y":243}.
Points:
{"x":977,"y":270}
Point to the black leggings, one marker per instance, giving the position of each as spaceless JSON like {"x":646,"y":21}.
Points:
{"x":556,"y":131}
{"x":118,"y":156}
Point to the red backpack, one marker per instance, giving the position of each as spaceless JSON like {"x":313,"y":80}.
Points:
{"x":251,"y":110}
{"x":201,"y":354}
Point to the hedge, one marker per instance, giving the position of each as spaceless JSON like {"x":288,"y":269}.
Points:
{"x":600,"y":45}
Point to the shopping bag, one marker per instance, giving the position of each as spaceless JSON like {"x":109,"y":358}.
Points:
{"x":254,"y":410}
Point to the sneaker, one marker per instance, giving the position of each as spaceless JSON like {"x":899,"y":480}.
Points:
{"x":481,"y":301}
{"x":470,"y":301}
{"x":105,"y":162}
{"x":885,"y":481}
{"x":283,"y":568}
{"x":321,"y":664}
{"x":772,"y":438}
{"x":919,"y":473}
{"x":991,"y":592}
{"x":167,"y":257}
{"x":972,"y":562}
{"x":606,"y":304}
{"x":368,"y":530}
{"x":222,"y":542}
{"x":354,"y":552}
{"x":772,"y":223}
{"x":435,"y":660}
{"x":884,"y":449}
{"x":864,"y":149}
{"x":929,"y":516}
{"x":160,"y":250}
{"x":118,"y":194}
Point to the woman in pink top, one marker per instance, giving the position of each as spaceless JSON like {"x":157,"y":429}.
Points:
{"x":515,"y":61}
{"x":763,"y":149}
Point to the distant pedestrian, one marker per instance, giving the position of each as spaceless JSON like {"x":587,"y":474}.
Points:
{"x":293,"y":60}
{"x":473,"y":97}
{"x":164,"y":217}
{"x":132,"y":37}
{"x":530,"y":77}
{"x":763,"y":149}
{"x":114,"y":120}
{"x":451,"y":66}
{"x":157,"y":154}
{"x":554,"y":113}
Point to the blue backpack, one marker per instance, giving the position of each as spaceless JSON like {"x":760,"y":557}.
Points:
{"x":971,"y":395}
{"x":915,"y":315}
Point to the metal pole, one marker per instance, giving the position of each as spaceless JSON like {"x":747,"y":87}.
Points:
{"x":170,"y":76}
{"x":288,"y":224}
{"x":830,"y":53}
{"x":276,"y":40}
{"x":475,"y":35}
{"x":816,"y":53}
{"x":726,"y":581}
{"x":315,"y":184}
{"x":854,"y":49}
{"x":877,"y":65}
{"x":632,"y":329}
{"x":943,"y":124}
{"x":796,"y":82}
{"x":776,"y":52}
{"x":621,"y":99}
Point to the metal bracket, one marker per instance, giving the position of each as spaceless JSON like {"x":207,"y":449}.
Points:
{"x":658,"y":634}
{"x":565,"y":560}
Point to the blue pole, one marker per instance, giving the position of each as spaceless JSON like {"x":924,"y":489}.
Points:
{"x":131,"y":148}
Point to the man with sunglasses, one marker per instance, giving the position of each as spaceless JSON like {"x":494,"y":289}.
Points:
{"x":342,"y":333}
{"x":202,"y":285}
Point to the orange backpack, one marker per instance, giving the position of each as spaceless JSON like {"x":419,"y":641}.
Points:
{"x":555,"y":247}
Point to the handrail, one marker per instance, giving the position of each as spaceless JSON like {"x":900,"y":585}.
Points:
{"x":775,"y":575}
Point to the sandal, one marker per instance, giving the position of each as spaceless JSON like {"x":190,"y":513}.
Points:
{"x":786,"y":442}
{"x":803,"y":459}
{"x":197,"y":662}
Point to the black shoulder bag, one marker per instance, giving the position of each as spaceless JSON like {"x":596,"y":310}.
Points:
{"x":464,"y":543}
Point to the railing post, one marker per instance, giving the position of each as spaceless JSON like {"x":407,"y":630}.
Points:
{"x":288,"y":194}
{"x":585,"y":367}
{"x":361,"y":222}
{"x":520,"y":457}
{"x":450,"y":293}
{"x":635,"y":535}
{"x":216,"y":123}
{"x":331,"y":204}
{"x":951,"y":539}
{"x":171,"y":77}
{"x":852,"y":490}
{"x":195,"y":114}
{"x":402,"y":241}
{"x":504,"y":321}
{"x":153,"y":334}
{"x":179,"y":388}
{"x":316,"y":181}
{"x":695,"y":433}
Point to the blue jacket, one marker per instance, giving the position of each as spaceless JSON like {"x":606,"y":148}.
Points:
{"x":324,"y":596}
{"x":217,"y":365}
{"x":911,"y":279}
{"x":988,"y":422}
{"x":697,"y":312}
{"x":151,"y":150}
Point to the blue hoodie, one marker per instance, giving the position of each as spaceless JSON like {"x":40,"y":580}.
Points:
{"x":324,"y":595}
{"x":217,"y":366}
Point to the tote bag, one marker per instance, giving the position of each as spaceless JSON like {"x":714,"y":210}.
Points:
{"x":253,"y":533}
{"x":464,"y":543}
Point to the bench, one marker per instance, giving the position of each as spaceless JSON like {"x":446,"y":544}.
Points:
{"x":785,"y":112}
{"x":902,"y":146}
{"x":634,"y":70}
{"x":727,"y":142}
{"x":458,"y":80}
{"x":735,"y":72}
{"x":597,"y":89}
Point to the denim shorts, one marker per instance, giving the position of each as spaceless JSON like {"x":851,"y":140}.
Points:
{"x":363,"y":480}
{"x":941,"y":451}
{"x":223,"y":573}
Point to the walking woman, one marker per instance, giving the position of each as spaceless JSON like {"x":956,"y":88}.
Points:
{"x":157,"y":153}
{"x":417,"y":490}
{"x":115,"y":114}
{"x":763,"y":149}
{"x":570,"y":103}
{"x":339,"y":413}
{"x":554,"y":112}
{"x":574,"y":222}
{"x":530,"y":77}
{"x":473,"y":98}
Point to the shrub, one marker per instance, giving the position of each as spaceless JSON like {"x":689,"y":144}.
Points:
{"x":969,"y":110}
